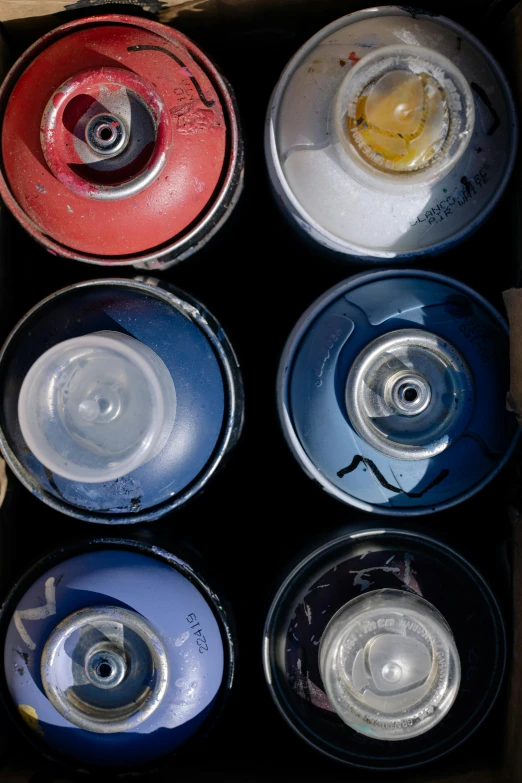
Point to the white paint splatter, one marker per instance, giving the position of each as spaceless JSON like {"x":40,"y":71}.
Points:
{"x":182,"y":639}
{"x":362,"y":579}
{"x":40,"y":613}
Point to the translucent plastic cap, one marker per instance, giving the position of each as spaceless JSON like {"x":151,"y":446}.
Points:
{"x":405,"y":111}
{"x":96,"y":407}
{"x":389,"y":665}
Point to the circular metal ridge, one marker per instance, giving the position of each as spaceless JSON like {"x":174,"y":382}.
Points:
{"x":106,"y":134}
{"x":409,"y":394}
{"x":55,"y":153}
{"x":120,"y":664}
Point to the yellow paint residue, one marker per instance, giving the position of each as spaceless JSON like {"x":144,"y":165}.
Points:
{"x":401,"y":121}
{"x":30,"y":716}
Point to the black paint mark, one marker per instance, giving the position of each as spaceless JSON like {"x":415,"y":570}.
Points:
{"x":415,"y":12}
{"x":482,"y":94}
{"x":459,"y":43}
{"x":378,"y":475}
{"x":50,"y":478}
{"x":24,"y":656}
{"x":483,"y":446}
{"x":478,"y":150}
{"x":458,"y":306}
{"x":467,"y":185}
{"x":193,"y":79}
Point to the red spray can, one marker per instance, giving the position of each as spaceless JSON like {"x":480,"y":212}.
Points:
{"x":120,"y":143}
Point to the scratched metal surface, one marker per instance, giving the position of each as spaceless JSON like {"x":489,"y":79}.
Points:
{"x":262,"y":511}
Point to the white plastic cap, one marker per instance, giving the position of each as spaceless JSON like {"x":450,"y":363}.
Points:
{"x":403,"y":115}
{"x":95,"y":408}
{"x":389,"y":665}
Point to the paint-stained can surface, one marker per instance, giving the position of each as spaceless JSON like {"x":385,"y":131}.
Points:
{"x":120,"y":143}
{"x":116,"y":655}
{"x":391,"y":392}
{"x":384,"y":649}
{"x":390,"y":134}
{"x":121,"y":399}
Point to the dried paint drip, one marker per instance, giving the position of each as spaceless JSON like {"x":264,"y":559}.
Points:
{"x":401,"y":121}
{"x":121,"y":109}
{"x":403,"y":110}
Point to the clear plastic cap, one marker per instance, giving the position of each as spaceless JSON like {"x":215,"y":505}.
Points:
{"x":95,"y":408}
{"x":389,"y":665}
{"x":405,"y":113}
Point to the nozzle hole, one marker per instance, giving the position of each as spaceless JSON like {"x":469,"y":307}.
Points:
{"x":105,"y":133}
{"x":410,"y":394}
{"x":103,"y":404}
{"x":104,"y":670}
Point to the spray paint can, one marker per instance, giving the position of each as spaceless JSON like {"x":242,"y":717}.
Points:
{"x":391,"y":134}
{"x":121,"y":399}
{"x":370,"y":658}
{"x":391,"y":392}
{"x":120,"y":143}
{"x":116,"y":654}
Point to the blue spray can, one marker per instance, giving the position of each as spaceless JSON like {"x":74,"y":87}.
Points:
{"x":116,"y":653}
{"x":121,"y":398}
{"x":392,"y":389}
